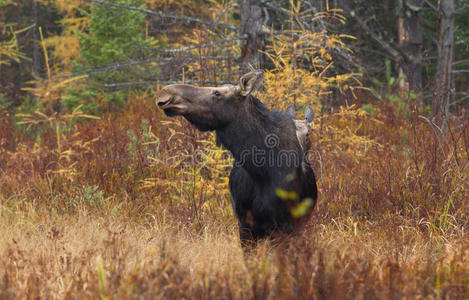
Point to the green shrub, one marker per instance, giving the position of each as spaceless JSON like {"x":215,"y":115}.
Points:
{"x":113,"y":49}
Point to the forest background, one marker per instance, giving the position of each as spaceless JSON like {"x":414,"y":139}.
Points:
{"x":102,"y":196}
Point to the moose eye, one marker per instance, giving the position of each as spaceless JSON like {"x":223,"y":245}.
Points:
{"x":217,"y":93}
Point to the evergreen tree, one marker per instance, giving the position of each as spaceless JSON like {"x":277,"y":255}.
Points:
{"x":112,"y":50}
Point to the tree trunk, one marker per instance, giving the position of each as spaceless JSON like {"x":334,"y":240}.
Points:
{"x":36,"y":41}
{"x":252,"y":17}
{"x":410,"y":40}
{"x":443,"y":78}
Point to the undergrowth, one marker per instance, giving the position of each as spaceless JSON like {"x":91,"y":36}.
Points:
{"x":136,"y":205}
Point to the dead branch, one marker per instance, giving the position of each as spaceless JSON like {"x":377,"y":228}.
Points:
{"x":147,"y":83}
{"x":161,"y":14}
{"x":119,"y":66}
{"x":184,"y":49}
{"x":462,"y":9}
{"x":431,"y":5}
{"x":464,"y":61}
{"x":385,"y":45}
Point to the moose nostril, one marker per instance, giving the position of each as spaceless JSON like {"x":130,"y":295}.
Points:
{"x":163,"y":103}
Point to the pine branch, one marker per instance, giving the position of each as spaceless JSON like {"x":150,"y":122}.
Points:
{"x":460,"y":100}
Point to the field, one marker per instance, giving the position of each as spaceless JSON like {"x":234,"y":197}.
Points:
{"x":136,"y":205}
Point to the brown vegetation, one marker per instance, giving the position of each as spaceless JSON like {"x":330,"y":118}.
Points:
{"x":113,"y":214}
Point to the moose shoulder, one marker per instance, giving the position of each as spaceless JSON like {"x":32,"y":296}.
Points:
{"x":272,"y":187}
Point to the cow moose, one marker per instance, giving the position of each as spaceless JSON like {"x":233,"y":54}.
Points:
{"x":271,"y":178}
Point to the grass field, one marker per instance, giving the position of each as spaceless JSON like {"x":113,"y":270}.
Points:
{"x":118,"y":208}
{"x":89,"y":256}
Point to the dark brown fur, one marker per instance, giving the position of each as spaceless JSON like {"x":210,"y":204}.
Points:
{"x":253,"y":134}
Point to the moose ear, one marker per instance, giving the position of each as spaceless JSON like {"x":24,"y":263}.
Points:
{"x":290,"y":111}
{"x":309,"y":115}
{"x":249,"y":82}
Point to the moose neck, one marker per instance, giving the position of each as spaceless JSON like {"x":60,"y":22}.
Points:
{"x":246,"y":136}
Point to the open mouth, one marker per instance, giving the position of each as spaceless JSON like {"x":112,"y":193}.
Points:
{"x":170,"y":111}
{"x":170,"y":106}
{"x":163,"y":104}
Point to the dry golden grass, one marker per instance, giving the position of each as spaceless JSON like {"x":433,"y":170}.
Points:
{"x":51,"y":256}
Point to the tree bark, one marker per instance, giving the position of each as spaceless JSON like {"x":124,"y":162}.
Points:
{"x":445,"y":31}
{"x":252,"y":17}
{"x":410,"y":40}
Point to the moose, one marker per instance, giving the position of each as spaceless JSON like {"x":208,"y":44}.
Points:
{"x":272,"y":186}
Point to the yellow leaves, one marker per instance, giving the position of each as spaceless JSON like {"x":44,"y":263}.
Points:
{"x":65,"y":49}
{"x":347,"y":36}
{"x":39,"y":117}
{"x":219,"y":10}
{"x":50,"y":91}
{"x":295,"y":7}
{"x":194,"y":173}
{"x":69,"y":6}
{"x":302,"y":208}
{"x":74,"y":23}
{"x":299,"y":208}
{"x":286,"y":195}
{"x":7,"y":2}
{"x":345,"y":132}
{"x":322,"y":52}
{"x":65,"y":6}
{"x":9,"y":50}
{"x":304,"y":65}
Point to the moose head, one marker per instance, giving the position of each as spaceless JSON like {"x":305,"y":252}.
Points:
{"x":208,"y":108}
